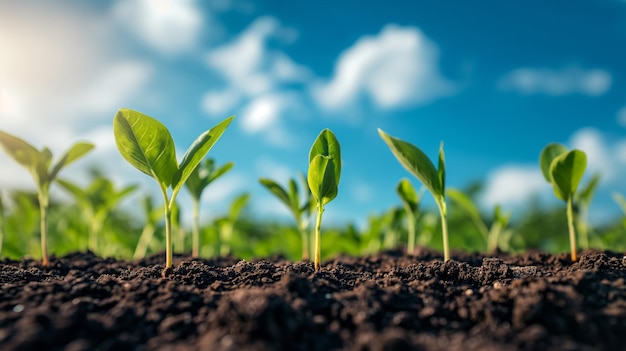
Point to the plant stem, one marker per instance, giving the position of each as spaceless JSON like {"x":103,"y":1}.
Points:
{"x":441,"y":203}
{"x":411,"y":227}
{"x":305,"y":239}
{"x":572,"y":233}
{"x":43,"y":222}
{"x":167,"y":209}
{"x":195,"y":229}
{"x":318,"y":226}
{"x":144,"y":240}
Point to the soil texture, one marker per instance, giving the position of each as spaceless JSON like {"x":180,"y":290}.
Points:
{"x":387,"y":301}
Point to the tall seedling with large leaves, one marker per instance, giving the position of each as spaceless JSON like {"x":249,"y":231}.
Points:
{"x":564,"y":169}
{"x":147,"y":145}
{"x":39,"y":164}
{"x":416,"y":162}
{"x":323,"y":178}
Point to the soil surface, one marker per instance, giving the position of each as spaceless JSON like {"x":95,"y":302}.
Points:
{"x":388,"y":301}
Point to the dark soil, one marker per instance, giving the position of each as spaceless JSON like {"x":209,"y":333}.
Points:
{"x":389,"y":301}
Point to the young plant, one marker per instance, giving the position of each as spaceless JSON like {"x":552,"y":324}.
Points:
{"x":410,"y":201}
{"x":300,"y":212}
{"x":147,"y":145}
{"x":582,"y":200}
{"x":226,"y":224}
{"x":323,"y":178}
{"x":500,"y":218}
{"x":564,"y":169}
{"x":96,"y":203}
{"x":416,"y":162}
{"x":39,"y":164}
{"x":2,"y":216}
{"x":153,"y":215}
{"x":199,"y":179}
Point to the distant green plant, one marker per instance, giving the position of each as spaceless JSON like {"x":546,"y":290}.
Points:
{"x":323,"y":179}
{"x":299,"y":211}
{"x":582,"y":200}
{"x":564,"y":169}
{"x":39,"y":164}
{"x":226,"y":224}
{"x":416,"y":162}
{"x":499,"y":223}
{"x":96,"y":201}
{"x":147,"y":145}
{"x":410,"y":201}
{"x":152,"y":215}
{"x":200,"y":178}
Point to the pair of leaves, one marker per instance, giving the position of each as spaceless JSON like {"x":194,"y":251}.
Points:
{"x":562,"y":168}
{"x":38,"y":162}
{"x":289,"y":196}
{"x":147,"y":145}
{"x":417,"y":163}
{"x":324,"y":167}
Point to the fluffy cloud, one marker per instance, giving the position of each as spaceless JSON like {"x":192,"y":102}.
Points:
{"x":513,"y":185}
{"x":398,"y":67}
{"x":168,"y":26}
{"x":569,"y":80}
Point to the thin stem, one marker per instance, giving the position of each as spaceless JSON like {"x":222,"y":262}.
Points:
{"x":318,"y":226}
{"x":572,"y":233}
{"x":167,"y":209}
{"x":304,"y":237}
{"x":494,"y":234}
{"x":441,"y":203}
{"x":43,"y":222}
{"x":195,"y":229}
{"x":411,"y":227}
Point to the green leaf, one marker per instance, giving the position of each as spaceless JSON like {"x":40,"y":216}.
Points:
{"x":585,"y":194}
{"x":77,"y":151}
{"x":327,"y":145}
{"x":468,"y":206}
{"x":294,"y":196}
{"x":20,"y":150}
{"x":277,"y":190}
{"x":408,"y":195}
{"x":566,"y":171}
{"x":548,"y":154}
{"x":620,"y":200}
{"x":197,"y":151}
{"x":322,"y":180}
{"x":237,"y":205}
{"x":441,"y":171}
{"x":417,"y":163}
{"x":146,"y":144}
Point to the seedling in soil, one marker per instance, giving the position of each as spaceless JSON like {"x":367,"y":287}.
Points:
{"x":39,"y":164}
{"x":410,"y":201}
{"x":153,"y":215}
{"x":96,"y":202}
{"x":226,"y":224}
{"x":147,"y":145}
{"x":416,"y":162}
{"x":200,"y":178}
{"x":500,"y":218}
{"x":564,"y":169}
{"x":300,"y":212}
{"x":582,"y":200}
{"x":323,"y":178}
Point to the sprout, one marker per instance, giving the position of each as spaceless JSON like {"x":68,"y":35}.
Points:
{"x":410,"y":201}
{"x":147,"y":145}
{"x":582,"y":200}
{"x":415,"y":161}
{"x":300,"y":212}
{"x":39,"y":164}
{"x":564,"y":169}
{"x":323,"y":178}
{"x":226,"y":224}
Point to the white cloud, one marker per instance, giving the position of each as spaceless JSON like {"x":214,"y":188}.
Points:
{"x":513,"y":185}
{"x":166,"y":25}
{"x":398,"y":67}
{"x":621,"y":117}
{"x":568,"y":80}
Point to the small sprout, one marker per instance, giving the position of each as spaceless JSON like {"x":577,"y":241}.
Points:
{"x":226,"y":224}
{"x":147,"y":145}
{"x":500,"y":218}
{"x":153,"y":215}
{"x":416,"y":162}
{"x":39,"y":164}
{"x":323,"y":178}
{"x":410,"y":201}
{"x":199,"y":179}
{"x":582,"y":200}
{"x":564,"y":169}
{"x":300,"y":212}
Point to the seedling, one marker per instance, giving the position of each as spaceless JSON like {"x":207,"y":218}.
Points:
{"x":199,"y":179}
{"x":500,"y":218}
{"x":226,"y":224}
{"x":153,"y":215}
{"x":582,"y":200}
{"x":416,"y":162}
{"x":39,"y":165}
{"x":564,"y":169}
{"x":96,"y":202}
{"x":300,"y":212}
{"x":147,"y":145}
{"x":323,"y":178}
{"x":410,"y":201}
{"x":2,"y":216}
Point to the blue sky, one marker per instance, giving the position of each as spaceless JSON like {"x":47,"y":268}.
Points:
{"x":496,"y":81}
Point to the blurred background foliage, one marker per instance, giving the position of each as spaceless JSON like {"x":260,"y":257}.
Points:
{"x":93,"y":217}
